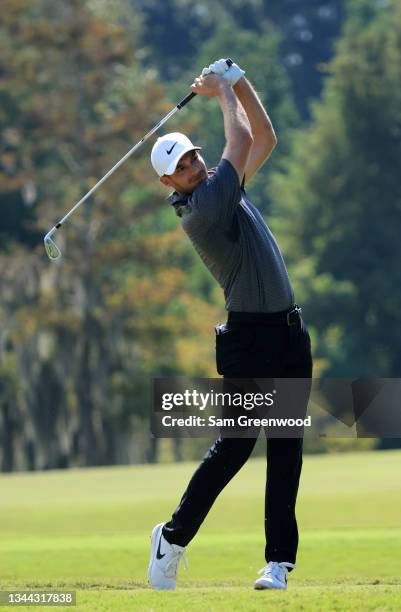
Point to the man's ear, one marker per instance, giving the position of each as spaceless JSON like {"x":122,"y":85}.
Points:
{"x":165,"y":180}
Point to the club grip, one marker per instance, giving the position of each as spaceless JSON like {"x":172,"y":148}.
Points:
{"x":185,"y":100}
{"x":189,"y":97}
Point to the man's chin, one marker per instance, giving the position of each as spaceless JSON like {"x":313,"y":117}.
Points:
{"x":196,"y":184}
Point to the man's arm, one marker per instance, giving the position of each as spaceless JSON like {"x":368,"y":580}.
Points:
{"x":237,"y":127}
{"x":264,"y":137}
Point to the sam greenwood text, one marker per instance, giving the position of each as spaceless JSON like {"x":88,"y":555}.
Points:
{"x":241,"y":421}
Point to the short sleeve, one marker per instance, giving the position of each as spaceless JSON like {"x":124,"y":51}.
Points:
{"x":216,"y":199}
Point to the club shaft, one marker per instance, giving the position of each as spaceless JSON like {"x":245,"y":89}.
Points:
{"x":180,"y":105}
{"x":126,"y":156}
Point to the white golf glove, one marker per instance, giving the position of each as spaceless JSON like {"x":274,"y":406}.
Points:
{"x":231,"y":74}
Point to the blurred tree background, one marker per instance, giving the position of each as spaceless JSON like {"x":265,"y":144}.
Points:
{"x":82,"y":81}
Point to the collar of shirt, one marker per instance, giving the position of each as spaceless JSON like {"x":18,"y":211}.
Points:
{"x":178,"y":198}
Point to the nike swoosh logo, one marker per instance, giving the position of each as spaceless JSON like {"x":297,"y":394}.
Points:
{"x":168,"y":152}
{"x":158,"y":553}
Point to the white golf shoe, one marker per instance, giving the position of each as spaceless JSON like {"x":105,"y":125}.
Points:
{"x":274,"y":576}
{"x":164,"y":561}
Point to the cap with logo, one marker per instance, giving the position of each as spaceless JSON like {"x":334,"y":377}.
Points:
{"x":168,"y":150}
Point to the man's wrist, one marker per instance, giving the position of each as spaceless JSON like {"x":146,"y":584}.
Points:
{"x":240,"y":83}
{"x":224,"y":88}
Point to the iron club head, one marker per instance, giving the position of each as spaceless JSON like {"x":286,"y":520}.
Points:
{"x":52,"y":250}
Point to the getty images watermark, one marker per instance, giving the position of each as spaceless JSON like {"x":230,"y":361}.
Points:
{"x":298,"y":407}
{"x":193,"y":398}
{"x":238,"y":408}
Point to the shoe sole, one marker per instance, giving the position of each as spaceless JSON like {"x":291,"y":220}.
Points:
{"x":153,"y":547}
{"x":261,"y":587}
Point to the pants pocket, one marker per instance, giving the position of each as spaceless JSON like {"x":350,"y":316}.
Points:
{"x":233,"y":347}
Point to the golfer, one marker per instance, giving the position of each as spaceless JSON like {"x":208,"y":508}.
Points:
{"x":264,"y":335}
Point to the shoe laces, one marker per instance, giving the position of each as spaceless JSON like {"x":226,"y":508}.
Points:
{"x":276,"y":569}
{"x":171,"y":569}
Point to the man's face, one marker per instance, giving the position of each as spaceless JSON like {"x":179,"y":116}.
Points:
{"x":190,"y":171}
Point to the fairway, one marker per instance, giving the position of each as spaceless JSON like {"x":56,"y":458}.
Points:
{"x":88,"y":530}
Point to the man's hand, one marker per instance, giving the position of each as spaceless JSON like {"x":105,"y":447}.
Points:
{"x":231,"y":74}
{"x":210,"y":85}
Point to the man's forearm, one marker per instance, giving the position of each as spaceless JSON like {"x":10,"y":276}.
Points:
{"x":259,"y":120}
{"x":236,"y":121}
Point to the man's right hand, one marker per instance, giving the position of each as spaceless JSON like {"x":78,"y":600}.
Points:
{"x":210,"y":85}
{"x":232,"y":73}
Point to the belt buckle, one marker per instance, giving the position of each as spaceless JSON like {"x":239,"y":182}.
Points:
{"x":296,"y":310}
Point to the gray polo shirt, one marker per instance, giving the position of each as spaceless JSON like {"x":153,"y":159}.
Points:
{"x":235,"y":243}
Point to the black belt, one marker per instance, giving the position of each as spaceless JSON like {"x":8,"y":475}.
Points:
{"x":285,"y":317}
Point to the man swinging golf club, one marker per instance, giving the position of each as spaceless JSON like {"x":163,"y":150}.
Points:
{"x":264,"y":336}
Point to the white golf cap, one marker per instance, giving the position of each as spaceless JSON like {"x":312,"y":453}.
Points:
{"x":168,"y":150}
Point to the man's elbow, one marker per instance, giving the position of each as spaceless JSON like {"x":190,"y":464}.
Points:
{"x":266,"y":139}
{"x":270,"y":141}
{"x":270,"y":136}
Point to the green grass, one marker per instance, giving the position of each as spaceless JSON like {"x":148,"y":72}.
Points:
{"x":88,"y":530}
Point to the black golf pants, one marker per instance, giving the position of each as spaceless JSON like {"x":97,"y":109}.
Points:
{"x":251,"y":347}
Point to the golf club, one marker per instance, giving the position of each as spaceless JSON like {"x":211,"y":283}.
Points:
{"x":51,"y":247}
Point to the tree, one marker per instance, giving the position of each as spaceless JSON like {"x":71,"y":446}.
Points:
{"x":340,"y":201}
{"x":85,"y":336}
{"x":308,"y":30}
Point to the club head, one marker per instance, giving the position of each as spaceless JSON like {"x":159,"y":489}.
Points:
{"x":52,"y":250}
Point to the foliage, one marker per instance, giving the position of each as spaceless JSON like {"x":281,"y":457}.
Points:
{"x":338,"y":202}
{"x":175,"y":29}
{"x":80,"y":82}
{"x":86,"y":335}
